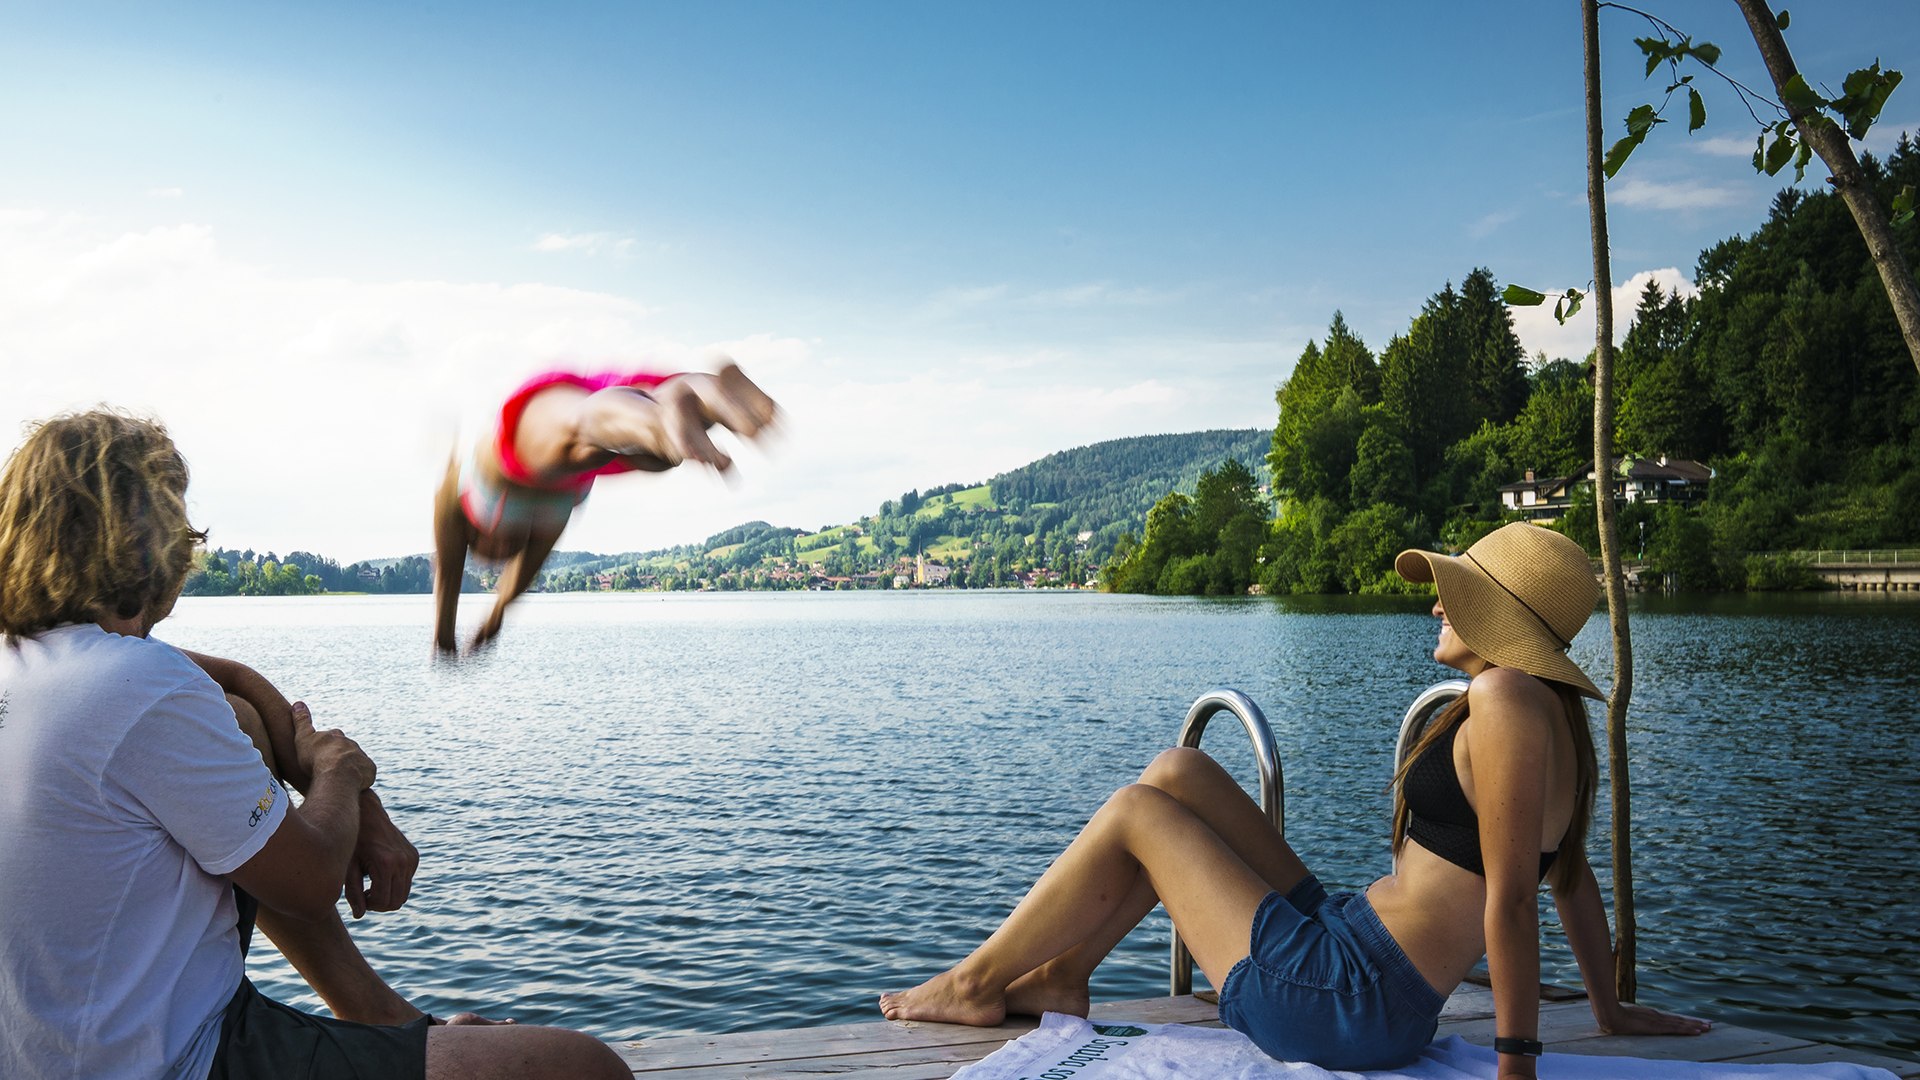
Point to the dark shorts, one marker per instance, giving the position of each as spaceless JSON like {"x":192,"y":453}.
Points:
{"x":261,"y":1039}
{"x":1324,"y":982}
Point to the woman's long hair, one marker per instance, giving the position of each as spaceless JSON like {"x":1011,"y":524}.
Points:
{"x":1586,"y":775}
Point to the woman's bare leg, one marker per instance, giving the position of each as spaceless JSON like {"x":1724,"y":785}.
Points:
{"x":1202,"y":786}
{"x":452,"y":536}
{"x":1142,"y":835}
{"x":515,"y":579}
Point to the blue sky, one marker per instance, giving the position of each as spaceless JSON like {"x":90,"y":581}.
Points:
{"x":949,"y":238}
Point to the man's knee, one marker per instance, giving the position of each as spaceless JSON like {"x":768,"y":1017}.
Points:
{"x":256,"y":729}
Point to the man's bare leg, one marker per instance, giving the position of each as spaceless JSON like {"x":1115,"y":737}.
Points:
{"x":512,"y":1052}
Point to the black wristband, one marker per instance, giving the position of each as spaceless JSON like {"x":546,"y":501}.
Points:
{"x":1522,"y":1047}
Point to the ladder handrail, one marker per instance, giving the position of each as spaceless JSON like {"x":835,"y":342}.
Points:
{"x":1272,"y":797}
{"x":1267,"y":755}
{"x":1430,"y":701}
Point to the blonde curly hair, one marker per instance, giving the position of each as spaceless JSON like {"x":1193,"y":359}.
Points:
{"x":93,"y":523}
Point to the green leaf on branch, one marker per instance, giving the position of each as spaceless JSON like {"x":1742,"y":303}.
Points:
{"x":1903,"y":206}
{"x":1617,"y":156}
{"x":1798,"y":95}
{"x":1760,"y":152}
{"x":1696,"y":111}
{"x":1640,"y":121}
{"x":1866,"y":94}
{"x":1706,"y":52}
{"x":1658,"y":50}
{"x":1521,"y":296}
{"x":1800,"y":161}
{"x":1781,"y":19}
{"x":1565,"y":307}
{"x":1779,"y":154}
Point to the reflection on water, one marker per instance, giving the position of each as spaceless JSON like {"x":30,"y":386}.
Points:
{"x":645,"y":814}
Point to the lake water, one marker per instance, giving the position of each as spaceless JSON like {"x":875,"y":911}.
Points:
{"x":646,"y":814}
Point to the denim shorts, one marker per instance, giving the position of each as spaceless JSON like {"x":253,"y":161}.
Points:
{"x":1324,"y":982}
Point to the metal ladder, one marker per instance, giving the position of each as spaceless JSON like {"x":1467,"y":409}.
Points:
{"x":1267,"y":757}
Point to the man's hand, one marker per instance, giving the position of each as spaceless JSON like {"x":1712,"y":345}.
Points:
{"x":381,"y":873}
{"x":329,"y":751}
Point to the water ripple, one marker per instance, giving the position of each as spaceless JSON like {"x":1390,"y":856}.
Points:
{"x":647,"y":815}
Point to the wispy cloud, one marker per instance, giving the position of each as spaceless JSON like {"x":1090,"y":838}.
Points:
{"x":962,"y":299}
{"x":90,"y":313}
{"x":1732,"y":146}
{"x":1488,"y":224}
{"x":165,"y":192}
{"x":589,"y":244}
{"x":1647,"y":194}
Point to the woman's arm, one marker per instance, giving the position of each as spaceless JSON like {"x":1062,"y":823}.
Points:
{"x":1584,"y":917}
{"x":1508,"y":746}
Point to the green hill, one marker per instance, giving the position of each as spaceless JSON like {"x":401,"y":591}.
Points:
{"x":1053,"y":521}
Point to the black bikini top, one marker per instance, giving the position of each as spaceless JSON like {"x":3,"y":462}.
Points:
{"x":1438,"y":814}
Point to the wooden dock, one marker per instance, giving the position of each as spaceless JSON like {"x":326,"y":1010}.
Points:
{"x":908,"y":1050}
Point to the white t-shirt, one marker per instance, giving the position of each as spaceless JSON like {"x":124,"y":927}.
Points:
{"x":127,"y":791}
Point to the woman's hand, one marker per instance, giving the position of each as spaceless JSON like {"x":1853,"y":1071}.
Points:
{"x":1640,"y":1020}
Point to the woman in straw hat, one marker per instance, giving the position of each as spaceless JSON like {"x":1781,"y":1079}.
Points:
{"x":1494,"y":797}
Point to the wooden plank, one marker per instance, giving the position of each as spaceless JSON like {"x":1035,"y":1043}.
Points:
{"x":748,"y":1047}
{"x":1568,"y":1028}
{"x":911,"y":1050}
{"x":942,"y":1060}
{"x":1814,"y":1053}
{"x":1559,"y":1022}
{"x":1467,"y":1003}
{"x":743,"y":1048}
{"x":1186,"y":1009}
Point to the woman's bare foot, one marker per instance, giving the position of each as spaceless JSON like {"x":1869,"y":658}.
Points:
{"x":942,"y":999}
{"x":1042,"y":991}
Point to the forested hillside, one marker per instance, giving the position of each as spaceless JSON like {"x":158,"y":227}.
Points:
{"x":1049,"y":523}
{"x":1052,"y":522}
{"x":1786,"y":375}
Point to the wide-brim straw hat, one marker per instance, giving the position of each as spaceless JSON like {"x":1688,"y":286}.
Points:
{"x":1516,"y":598}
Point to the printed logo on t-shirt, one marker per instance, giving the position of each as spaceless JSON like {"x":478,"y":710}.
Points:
{"x":265,"y":804}
{"x":4,"y":694}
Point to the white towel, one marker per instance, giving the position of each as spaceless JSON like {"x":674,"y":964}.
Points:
{"x":1069,"y":1048}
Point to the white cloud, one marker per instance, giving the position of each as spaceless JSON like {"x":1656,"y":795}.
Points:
{"x":1732,"y":146}
{"x":318,"y":412}
{"x":166,"y":192}
{"x":1539,"y":332}
{"x":589,"y":244}
{"x":1488,"y":224}
{"x":1647,"y":194}
{"x":966,"y":299}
